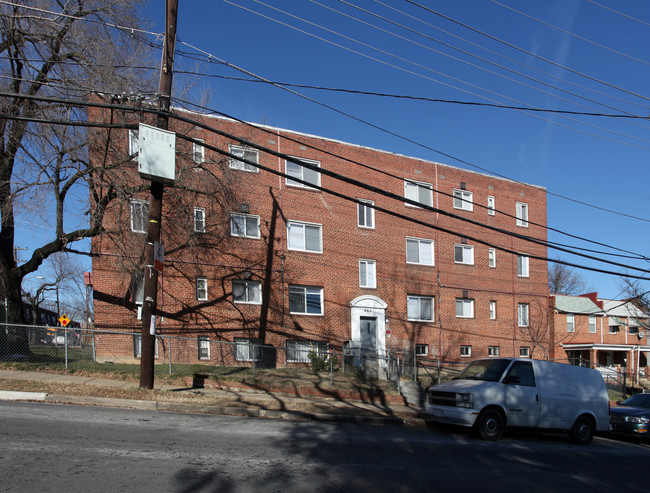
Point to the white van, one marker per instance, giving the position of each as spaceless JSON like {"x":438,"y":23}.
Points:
{"x":493,"y":393}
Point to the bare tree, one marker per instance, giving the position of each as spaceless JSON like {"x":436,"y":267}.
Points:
{"x":64,"y":50}
{"x":636,"y":293}
{"x":565,"y":280}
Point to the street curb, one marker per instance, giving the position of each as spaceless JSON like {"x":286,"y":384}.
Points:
{"x":101,"y":401}
{"x":15,"y":395}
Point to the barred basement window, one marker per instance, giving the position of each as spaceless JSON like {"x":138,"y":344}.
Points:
{"x":204,"y":348}
{"x":465,"y":351}
{"x":298,"y":351}
{"x":247,"y":349}
{"x":421,"y":349}
{"x":493,"y":351}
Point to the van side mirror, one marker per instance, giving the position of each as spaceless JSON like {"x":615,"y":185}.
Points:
{"x":511,"y":379}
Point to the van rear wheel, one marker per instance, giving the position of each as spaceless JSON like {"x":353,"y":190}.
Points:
{"x":582,"y":431}
{"x":490,"y":424}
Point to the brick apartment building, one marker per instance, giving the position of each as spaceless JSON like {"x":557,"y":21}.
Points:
{"x":590,"y":331}
{"x":253,"y":256}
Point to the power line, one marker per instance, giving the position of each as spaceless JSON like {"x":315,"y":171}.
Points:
{"x":619,"y":13}
{"x":494,"y":38}
{"x":569,"y":33}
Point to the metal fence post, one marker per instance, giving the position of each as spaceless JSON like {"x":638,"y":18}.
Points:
{"x":331,"y":369}
{"x":169,"y":351}
{"x":252,"y":346}
{"x":65,"y":341}
{"x":92,"y":338}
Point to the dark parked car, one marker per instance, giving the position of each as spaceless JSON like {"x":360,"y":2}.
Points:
{"x":631,"y":416}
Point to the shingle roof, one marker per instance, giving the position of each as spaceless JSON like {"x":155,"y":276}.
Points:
{"x":575,"y":304}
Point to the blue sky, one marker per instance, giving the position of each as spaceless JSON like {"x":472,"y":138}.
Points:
{"x":600,"y":65}
{"x":577,"y":56}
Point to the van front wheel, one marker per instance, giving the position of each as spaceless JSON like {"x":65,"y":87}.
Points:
{"x":583,"y":431}
{"x":490,"y":425}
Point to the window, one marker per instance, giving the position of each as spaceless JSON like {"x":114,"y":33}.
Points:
{"x":491,"y":208}
{"x":305,"y":237}
{"x":464,"y":254}
{"x":522,"y":314}
{"x":493,"y":310}
{"x":419,"y":308}
{"x":521,"y":372}
{"x":244,"y":153}
{"x":592,"y":324}
{"x":419,"y":251}
{"x":613,"y":329}
{"x":421,"y":350}
{"x":244,"y":225}
{"x":492,"y":258}
{"x":366,"y":214}
{"x":139,"y":216}
{"x":493,"y":351}
{"x":306,"y":300}
{"x":201,"y":288}
{"x":247,"y":292}
{"x":204,"y":347}
{"x":299,"y":351}
{"x":465,"y":351}
{"x":524,"y":352}
{"x":522,"y":265}
{"x":418,"y":192}
{"x":199,"y":220}
{"x":633,"y":330}
{"x":248,"y":349}
{"x":137,"y":346}
{"x":134,"y":142}
{"x":367,"y":274}
{"x":198,"y":152}
{"x":463,"y":200}
{"x":295,"y":170}
{"x":570,"y":322}
{"x":464,"y":308}
{"x":522,"y":214}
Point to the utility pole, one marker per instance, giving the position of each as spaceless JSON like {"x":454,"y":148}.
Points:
{"x":155,"y":208}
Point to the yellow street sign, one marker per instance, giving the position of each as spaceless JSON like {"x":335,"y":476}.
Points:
{"x":64,"y":320}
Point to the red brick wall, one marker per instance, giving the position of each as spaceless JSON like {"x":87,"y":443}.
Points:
{"x":268,"y":260}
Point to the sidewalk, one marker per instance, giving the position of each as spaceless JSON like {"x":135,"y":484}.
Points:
{"x":80,"y":390}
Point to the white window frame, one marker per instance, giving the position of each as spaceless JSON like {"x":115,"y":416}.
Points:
{"x":203,"y":343}
{"x":492,"y":258}
{"x":243,"y":347}
{"x":570,"y":322}
{"x":524,"y":351}
{"x":465,"y":351}
{"x":414,"y":302}
{"x":199,"y":220}
{"x":306,"y":292}
{"x":493,"y":351}
{"x":416,"y":191}
{"x":464,"y":308}
{"x":198,"y":152}
{"x":523,"y":314}
{"x":523,"y":266}
{"x":294,"y":170}
{"x":139,"y":208}
{"x":134,"y":142}
{"x":493,"y":310}
{"x":592,"y":324}
{"x":246,"y":153}
{"x":463,"y":200}
{"x":297,"y":240}
{"x":367,"y":273}
{"x":299,"y":351}
{"x":421,"y":350}
{"x":521,"y":213}
{"x":420,"y":243}
{"x":236,"y":230}
{"x":467,"y":254}
{"x":491,"y":205}
{"x":201,"y":288}
{"x":252,"y":291}
{"x":365,"y":214}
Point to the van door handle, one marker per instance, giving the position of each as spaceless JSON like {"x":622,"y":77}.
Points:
{"x":537,"y":397}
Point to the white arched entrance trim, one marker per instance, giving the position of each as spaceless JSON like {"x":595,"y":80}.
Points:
{"x":368,"y":307}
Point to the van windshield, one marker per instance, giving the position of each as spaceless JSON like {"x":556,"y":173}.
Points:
{"x":489,"y":370}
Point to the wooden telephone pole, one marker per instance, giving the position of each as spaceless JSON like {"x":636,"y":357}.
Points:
{"x":149,"y":306}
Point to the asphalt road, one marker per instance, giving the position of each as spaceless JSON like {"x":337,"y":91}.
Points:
{"x":73,"y":448}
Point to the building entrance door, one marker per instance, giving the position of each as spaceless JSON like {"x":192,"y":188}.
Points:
{"x":368,"y":333}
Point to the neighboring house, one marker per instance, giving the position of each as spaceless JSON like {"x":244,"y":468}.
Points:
{"x":597,"y":332}
{"x":269,"y":259}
